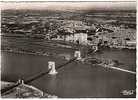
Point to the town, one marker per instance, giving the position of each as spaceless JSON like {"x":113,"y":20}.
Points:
{"x":115,"y":33}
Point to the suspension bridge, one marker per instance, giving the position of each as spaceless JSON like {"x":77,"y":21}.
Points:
{"x":34,"y":77}
{"x":52,"y":70}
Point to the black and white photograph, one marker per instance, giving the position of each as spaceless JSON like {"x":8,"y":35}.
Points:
{"x":68,"y":49}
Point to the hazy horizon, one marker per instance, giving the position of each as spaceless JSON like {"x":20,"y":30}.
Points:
{"x":69,"y":6}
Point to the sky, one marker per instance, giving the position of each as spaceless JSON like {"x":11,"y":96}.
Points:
{"x":69,"y":6}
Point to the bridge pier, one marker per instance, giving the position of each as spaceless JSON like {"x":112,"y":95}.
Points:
{"x":95,"y":47}
{"x":20,"y":81}
{"x":77,"y":54}
{"x":51,"y":66}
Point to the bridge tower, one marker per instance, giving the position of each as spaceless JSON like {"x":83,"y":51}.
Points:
{"x":77,"y":54}
{"x":95,"y":47}
{"x":51,"y":67}
{"x":20,"y":81}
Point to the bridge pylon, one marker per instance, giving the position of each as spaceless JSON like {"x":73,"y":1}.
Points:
{"x":77,"y":54}
{"x":20,"y":81}
{"x":51,"y":67}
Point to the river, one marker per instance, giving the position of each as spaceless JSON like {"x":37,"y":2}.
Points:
{"x":75,"y":79}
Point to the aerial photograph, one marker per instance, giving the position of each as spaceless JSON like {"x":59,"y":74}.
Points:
{"x":68,"y":49}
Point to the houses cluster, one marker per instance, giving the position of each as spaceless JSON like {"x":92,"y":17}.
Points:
{"x":86,"y":35}
{"x":75,"y":31}
{"x":78,"y":32}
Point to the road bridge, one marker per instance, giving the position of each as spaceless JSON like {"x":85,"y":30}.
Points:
{"x":32,"y":78}
{"x":77,"y":56}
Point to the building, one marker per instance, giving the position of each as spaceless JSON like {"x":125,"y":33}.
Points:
{"x":80,"y":38}
{"x":131,"y":43}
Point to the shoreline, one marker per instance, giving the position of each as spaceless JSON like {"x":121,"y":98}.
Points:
{"x":52,"y":54}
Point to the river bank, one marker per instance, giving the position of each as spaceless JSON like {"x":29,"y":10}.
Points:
{"x":123,"y":47}
{"x":61,"y":55}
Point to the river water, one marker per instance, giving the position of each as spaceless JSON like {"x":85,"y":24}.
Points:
{"x":75,"y":79}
